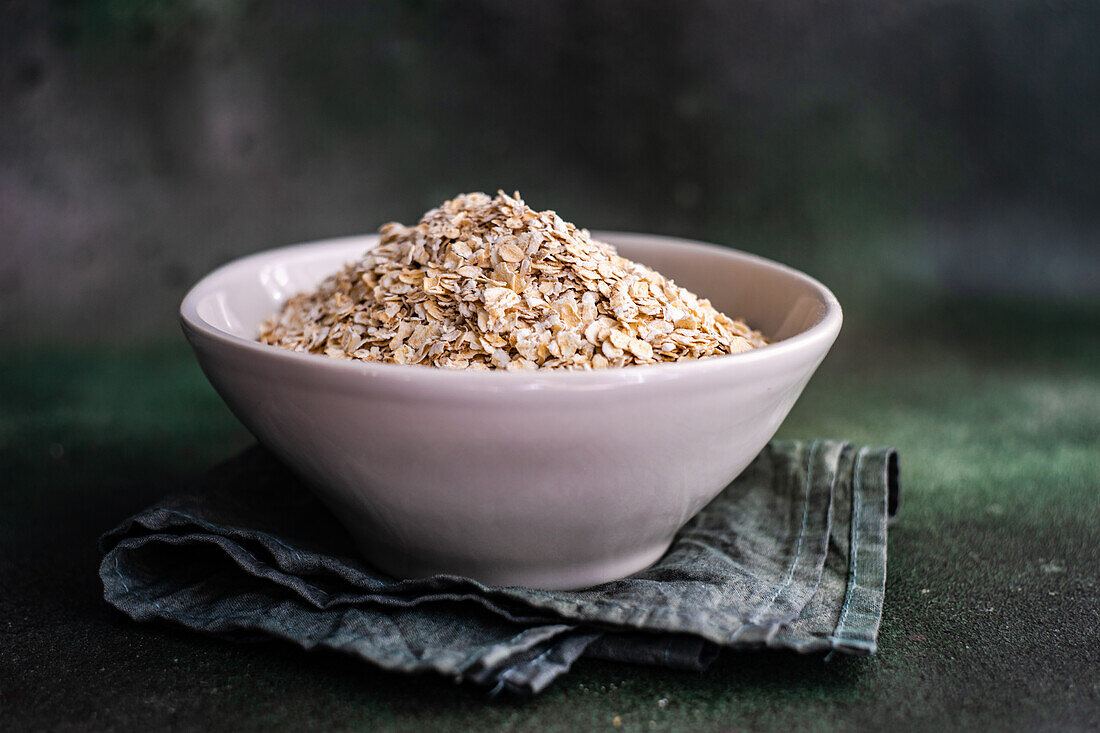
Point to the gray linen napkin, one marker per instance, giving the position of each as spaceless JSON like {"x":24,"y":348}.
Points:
{"x":791,"y":555}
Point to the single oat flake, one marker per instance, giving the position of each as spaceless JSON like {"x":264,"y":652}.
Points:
{"x":489,"y":283}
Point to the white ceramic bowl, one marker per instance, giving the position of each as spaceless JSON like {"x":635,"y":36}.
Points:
{"x":544,"y":479}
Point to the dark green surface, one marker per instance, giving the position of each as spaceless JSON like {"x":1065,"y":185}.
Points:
{"x":992,"y":607}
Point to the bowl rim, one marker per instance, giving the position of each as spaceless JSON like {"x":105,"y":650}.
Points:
{"x":825,"y":329}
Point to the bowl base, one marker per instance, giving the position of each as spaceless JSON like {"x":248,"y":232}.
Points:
{"x":543,"y":576}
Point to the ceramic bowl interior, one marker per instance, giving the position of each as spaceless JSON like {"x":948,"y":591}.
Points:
{"x":758,"y":290}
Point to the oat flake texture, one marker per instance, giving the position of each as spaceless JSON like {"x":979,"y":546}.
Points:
{"x":489,"y":283}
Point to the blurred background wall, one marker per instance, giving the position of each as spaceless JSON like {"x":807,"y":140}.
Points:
{"x":900,"y":151}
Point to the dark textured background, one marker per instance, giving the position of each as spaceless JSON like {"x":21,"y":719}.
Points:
{"x":936,"y":163}
{"x":940,"y":145}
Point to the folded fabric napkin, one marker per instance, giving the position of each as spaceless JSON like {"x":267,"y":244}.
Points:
{"x":791,"y":555}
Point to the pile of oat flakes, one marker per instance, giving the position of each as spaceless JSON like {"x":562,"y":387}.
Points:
{"x":484,"y":283}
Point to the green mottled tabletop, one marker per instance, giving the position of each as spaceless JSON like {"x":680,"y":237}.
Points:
{"x":992,"y":614}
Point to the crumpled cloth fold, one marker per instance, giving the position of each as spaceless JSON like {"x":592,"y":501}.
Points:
{"x":791,"y":555}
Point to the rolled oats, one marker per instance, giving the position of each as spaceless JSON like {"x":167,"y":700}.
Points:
{"x":489,"y":283}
